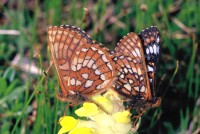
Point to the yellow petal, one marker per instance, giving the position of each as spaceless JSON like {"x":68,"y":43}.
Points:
{"x":63,"y":130}
{"x":88,"y":109}
{"x":67,"y":123}
{"x":82,"y":130}
{"x":103,"y":102}
{"x":123,"y":117}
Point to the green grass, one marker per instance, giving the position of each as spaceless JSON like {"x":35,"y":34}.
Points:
{"x":23,"y":110}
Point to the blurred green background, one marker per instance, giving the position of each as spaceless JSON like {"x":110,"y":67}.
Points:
{"x":27,"y":98}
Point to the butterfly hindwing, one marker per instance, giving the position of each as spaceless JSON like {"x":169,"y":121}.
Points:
{"x":129,"y":56}
{"x":150,"y":38}
{"x":136,"y":59}
{"x":131,"y":80}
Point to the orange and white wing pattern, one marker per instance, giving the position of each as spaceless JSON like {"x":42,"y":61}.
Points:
{"x":92,"y":70}
{"x":83,"y":67}
{"x":132,"y":78}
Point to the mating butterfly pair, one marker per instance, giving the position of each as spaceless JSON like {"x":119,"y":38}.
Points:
{"x":85,"y":67}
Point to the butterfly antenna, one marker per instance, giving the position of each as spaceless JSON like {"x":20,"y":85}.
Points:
{"x":160,"y":83}
{"x":46,"y":75}
{"x":51,"y":63}
{"x":172,"y":78}
{"x":49,"y":79}
{"x":45,"y":72}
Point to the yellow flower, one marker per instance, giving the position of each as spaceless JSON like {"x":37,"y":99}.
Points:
{"x":103,"y":102}
{"x":123,"y":117}
{"x":106,"y":115}
{"x":82,"y":130}
{"x":88,"y":109}
{"x":67,"y":123}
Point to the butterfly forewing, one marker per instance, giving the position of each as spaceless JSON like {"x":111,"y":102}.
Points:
{"x":92,"y":68}
{"x":79,"y":62}
{"x":150,"y":38}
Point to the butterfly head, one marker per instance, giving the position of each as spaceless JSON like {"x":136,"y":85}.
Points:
{"x":140,"y":105}
{"x":73,"y":98}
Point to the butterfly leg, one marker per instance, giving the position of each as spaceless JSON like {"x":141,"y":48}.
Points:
{"x":137,"y":118}
{"x":64,"y":114}
{"x":67,"y":107}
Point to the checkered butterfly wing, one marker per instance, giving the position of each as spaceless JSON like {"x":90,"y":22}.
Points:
{"x":83,"y":67}
{"x":150,"y":38}
{"x":132,"y":79}
{"x":93,"y":67}
{"x":136,"y":64}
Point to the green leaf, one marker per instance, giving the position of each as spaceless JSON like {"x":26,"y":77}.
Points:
{"x":9,"y":74}
{"x":3,"y":84}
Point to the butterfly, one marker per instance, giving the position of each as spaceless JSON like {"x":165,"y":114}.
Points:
{"x":84,"y":67}
{"x":136,"y":59}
